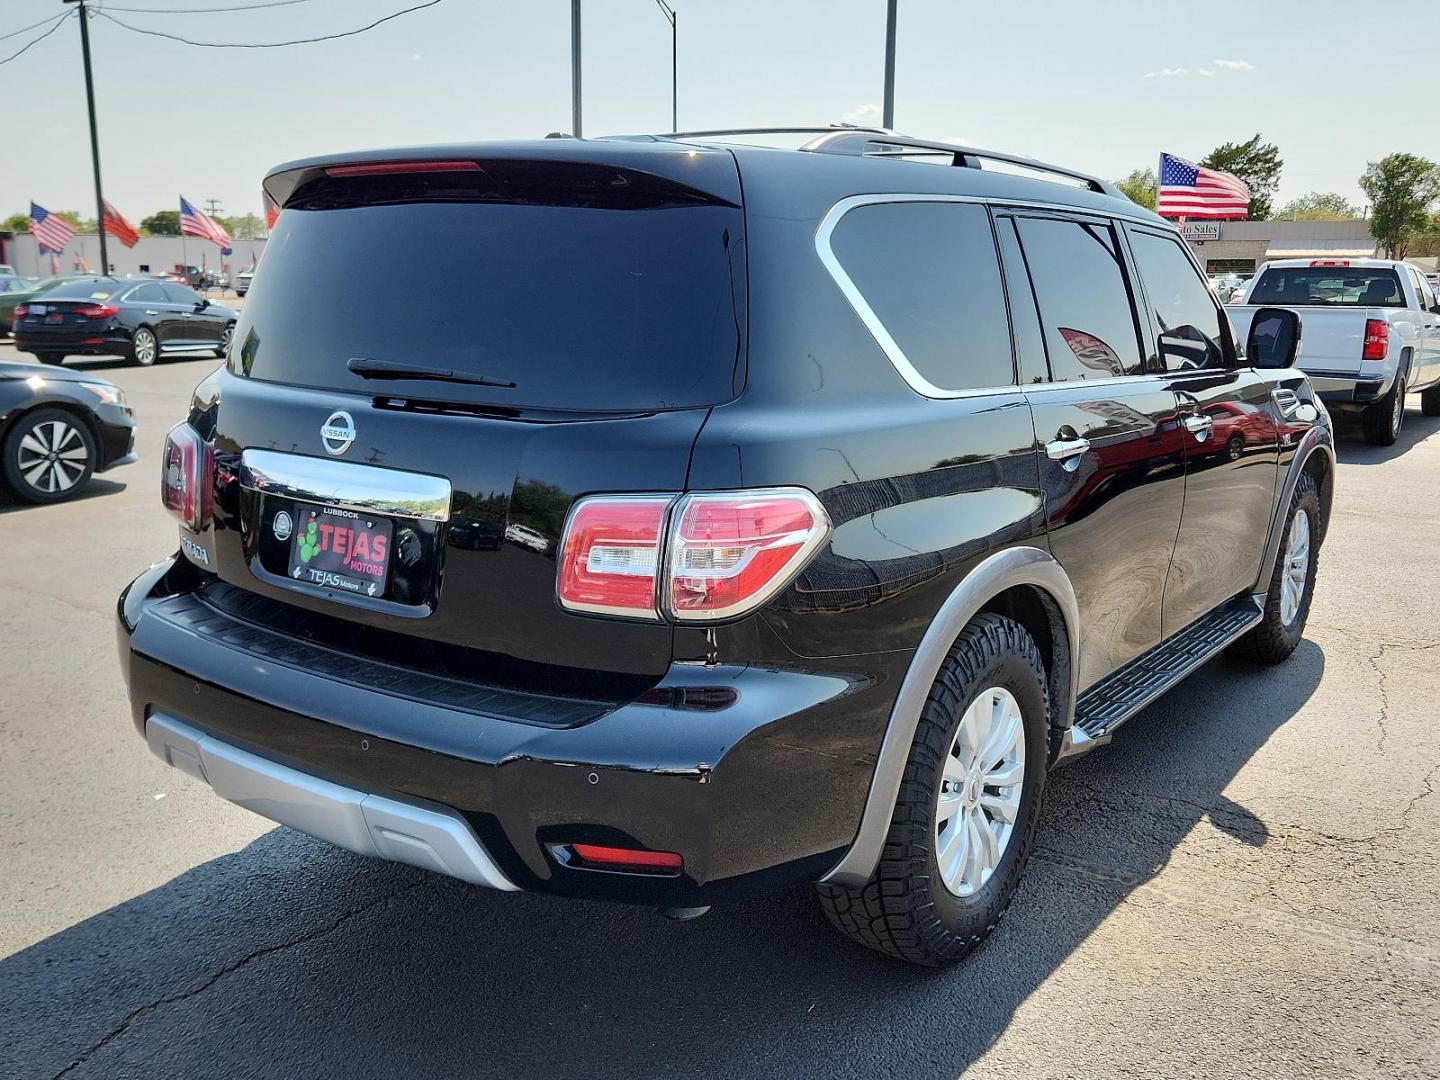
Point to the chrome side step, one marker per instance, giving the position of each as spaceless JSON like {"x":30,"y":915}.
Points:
{"x":1106,"y":705}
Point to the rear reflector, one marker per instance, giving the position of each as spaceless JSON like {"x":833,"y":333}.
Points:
{"x":392,"y":168}
{"x":704,"y":557}
{"x":1377,"y":339}
{"x":185,"y":482}
{"x":633,"y":859}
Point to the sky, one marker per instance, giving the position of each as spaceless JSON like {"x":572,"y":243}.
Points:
{"x":1050,"y":79}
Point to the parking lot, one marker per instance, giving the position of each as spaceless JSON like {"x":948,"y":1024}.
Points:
{"x":1243,"y":884}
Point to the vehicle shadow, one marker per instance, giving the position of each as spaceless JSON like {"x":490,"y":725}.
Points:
{"x":97,"y":488}
{"x":291,"y":958}
{"x":1351,"y":449}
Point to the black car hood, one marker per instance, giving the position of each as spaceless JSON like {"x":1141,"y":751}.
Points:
{"x":19,"y":369}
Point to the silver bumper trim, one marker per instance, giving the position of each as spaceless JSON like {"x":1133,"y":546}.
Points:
{"x":355,"y":820}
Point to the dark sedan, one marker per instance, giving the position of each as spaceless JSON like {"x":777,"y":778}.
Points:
{"x":58,"y":428}
{"x":140,"y":319}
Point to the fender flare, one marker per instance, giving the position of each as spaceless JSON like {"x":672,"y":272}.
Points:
{"x":998,"y":572}
{"x":1318,"y":440}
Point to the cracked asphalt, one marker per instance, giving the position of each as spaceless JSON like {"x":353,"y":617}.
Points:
{"x":1243,"y":885}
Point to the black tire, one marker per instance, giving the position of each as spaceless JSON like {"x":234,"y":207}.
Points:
{"x":50,"y":358}
{"x":1383,"y":421}
{"x":31,"y":441}
{"x":1273,"y":639}
{"x":224,"y":350}
{"x":1235,"y":447}
{"x":905,"y":910}
{"x":1430,"y":401}
{"x":144,"y":346}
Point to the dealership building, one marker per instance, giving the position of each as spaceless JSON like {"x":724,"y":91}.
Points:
{"x":1238,"y":247}
{"x":152,"y":255}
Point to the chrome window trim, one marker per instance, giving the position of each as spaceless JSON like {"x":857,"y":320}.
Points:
{"x":903,"y":367}
{"x":349,"y":485}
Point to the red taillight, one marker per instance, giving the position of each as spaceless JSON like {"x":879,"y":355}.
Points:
{"x":21,"y":310}
{"x":390,"y":168}
{"x":704,"y":557}
{"x":1377,"y":339}
{"x":1329,"y":262}
{"x":185,"y":483}
{"x":97,"y":311}
{"x":636,"y":859}
{"x":730,"y":552}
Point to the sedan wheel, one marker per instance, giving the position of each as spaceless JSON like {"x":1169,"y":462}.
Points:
{"x":224,"y":350}
{"x":49,"y":455}
{"x":143,"y":347}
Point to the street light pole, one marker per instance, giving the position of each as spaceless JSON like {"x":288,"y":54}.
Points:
{"x":888,"y":116}
{"x":575,"y":69}
{"x":94,"y":135}
{"x":671,"y":18}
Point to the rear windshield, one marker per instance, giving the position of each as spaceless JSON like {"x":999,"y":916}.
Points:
{"x":1307,"y":286}
{"x":602,"y":304}
{"x":84,"y":289}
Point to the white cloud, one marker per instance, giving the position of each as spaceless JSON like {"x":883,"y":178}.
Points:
{"x":1207,"y":73}
{"x":1235,"y":65}
{"x":866,"y":115}
{"x":1167,"y":73}
{"x":416,"y":56}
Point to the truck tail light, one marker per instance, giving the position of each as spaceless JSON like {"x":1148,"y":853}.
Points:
{"x":1377,"y":339}
{"x":703,"y":557}
{"x":185,"y":483}
{"x":1329,"y":262}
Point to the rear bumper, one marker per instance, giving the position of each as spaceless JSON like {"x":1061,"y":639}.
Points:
{"x":737,"y":769}
{"x":111,"y":342}
{"x":1338,"y":388}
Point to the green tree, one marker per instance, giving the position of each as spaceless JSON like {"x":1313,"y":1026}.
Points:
{"x":244,"y":226}
{"x":1319,"y":206}
{"x":15,"y":223}
{"x":1257,"y":163}
{"x":1401,"y":189}
{"x":161,"y":223}
{"x":1140,"y":187}
{"x":73,"y":217}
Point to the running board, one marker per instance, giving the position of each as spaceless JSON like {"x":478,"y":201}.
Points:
{"x":1120,"y":695}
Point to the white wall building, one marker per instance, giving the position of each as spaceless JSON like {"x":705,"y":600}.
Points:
{"x":151,"y":255}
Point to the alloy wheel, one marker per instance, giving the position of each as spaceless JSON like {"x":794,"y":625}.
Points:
{"x":979,"y":797}
{"x":52,"y":457}
{"x":225,"y":339}
{"x":1297,"y":567}
{"x":144,"y":345}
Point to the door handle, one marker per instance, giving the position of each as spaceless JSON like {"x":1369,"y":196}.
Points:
{"x":1067,"y":452}
{"x":1200,"y":426}
{"x":150,"y":311}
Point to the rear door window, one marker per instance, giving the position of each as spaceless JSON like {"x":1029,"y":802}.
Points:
{"x":1079,"y":279}
{"x":1187,"y":318}
{"x":929,"y":273}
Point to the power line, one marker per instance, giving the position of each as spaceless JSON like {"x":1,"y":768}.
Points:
{"x":26,"y":48}
{"x":266,"y":44}
{"x":32,"y":26}
{"x":205,"y":11}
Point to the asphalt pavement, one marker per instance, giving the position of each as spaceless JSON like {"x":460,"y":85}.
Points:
{"x":1243,"y":885}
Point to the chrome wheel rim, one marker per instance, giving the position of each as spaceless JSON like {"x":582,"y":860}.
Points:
{"x":144,"y":347}
{"x":225,"y":339}
{"x":1397,"y":418}
{"x":1296,"y":569}
{"x":52,"y":457}
{"x":979,"y":797}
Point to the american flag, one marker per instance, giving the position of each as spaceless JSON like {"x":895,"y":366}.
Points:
{"x":52,"y":231}
{"x":1191,"y":191}
{"x":195,"y":222}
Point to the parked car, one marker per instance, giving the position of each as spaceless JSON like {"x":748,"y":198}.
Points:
{"x":138,"y":318}
{"x":59,"y":428}
{"x":1372,"y":334}
{"x":868,"y":491}
{"x":6,"y":270}
{"x":242,"y":281}
{"x":23,"y":289}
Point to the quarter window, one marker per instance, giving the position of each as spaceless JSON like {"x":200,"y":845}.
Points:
{"x":1185,"y":313}
{"x":1085,"y":308}
{"x":929,"y":273}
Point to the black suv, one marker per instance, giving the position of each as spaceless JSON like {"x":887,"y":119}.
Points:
{"x":667,"y":519}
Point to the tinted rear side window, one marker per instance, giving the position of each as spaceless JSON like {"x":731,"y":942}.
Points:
{"x":1085,"y":306}
{"x":930,"y":274}
{"x":593,"y":306}
{"x":1185,"y":311}
{"x":1315,"y":286}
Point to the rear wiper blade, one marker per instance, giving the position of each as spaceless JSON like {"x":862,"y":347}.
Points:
{"x":368,"y":367}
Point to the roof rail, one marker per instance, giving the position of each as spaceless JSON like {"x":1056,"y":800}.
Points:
{"x":880,"y":143}
{"x":830,"y":129}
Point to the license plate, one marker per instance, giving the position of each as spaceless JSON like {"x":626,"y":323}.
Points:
{"x":55,"y":318}
{"x":341,"y":549}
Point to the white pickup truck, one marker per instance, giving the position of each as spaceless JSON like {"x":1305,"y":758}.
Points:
{"x":1371,"y":334}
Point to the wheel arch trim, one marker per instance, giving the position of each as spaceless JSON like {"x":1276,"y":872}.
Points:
{"x":1003,"y":570}
{"x":1317,"y":440}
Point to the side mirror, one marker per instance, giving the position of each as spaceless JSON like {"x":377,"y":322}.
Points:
{"x":201,"y":305}
{"x":1274,"y":340}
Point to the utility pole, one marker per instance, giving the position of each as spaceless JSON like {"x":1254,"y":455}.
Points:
{"x":670,"y":17}
{"x":213,"y":207}
{"x":575,"y":69}
{"x":888,"y":116}
{"x":94,"y":135}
